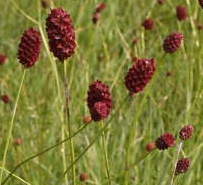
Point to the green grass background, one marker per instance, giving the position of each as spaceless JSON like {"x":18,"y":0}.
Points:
{"x":104,"y":52}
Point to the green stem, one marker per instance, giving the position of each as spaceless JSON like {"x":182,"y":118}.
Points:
{"x":97,"y":137}
{"x":105,"y":156}
{"x":11,"y":126}
{"x":42,"y":152}
{"x":67,"y":117}
{"x":174,"y":170}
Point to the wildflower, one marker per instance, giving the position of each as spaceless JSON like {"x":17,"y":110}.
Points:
{"x":165,"y":141}
{"x":29,"y":48}
{"x":84,"y":177}
{"x":87,"y":119}
{"x":186,"y":132}
{"x":99,"y":100}
{"x":173,"y":42}
{"x":5,"y":98}
{"x":139,"y":75}
{"x":61,"y":34}
{"x":148,"y":24}
{"x":181,"y":12}
{"x":18,"y":141}
{"x":151,"y":146}
{"x":182,"y":166}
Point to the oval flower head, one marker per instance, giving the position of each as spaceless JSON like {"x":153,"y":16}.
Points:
{"x":182,"y":166}
{"x":186,"y":132}
{"x":173,"y":42}
{"x":165,"y":141}
{"x":139,"y":75}
{"x":99,"y":100}
{"x":29,"y":47}
{"x":148,"y":24}
{"x":181,"y":12}
{"x":61,"y":34}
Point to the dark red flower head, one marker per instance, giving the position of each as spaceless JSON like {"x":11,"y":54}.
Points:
{"x":29,"y":47}
{"x":181,"y":12}
{"x":99,"y":100}
{"x":182,"y":166}
{"x":139,"y":75}
{"x":100,"y":7}
{"x":95,"y":18}
{"x":5,"y":98}
{"x":201,"y":3}
{"x":173,"y":42}
{"x":3,"y":59}
{"x":186,"y":132}
{"x":161,"y":1}
{"x":165,"y":141}
{"x":148,"y":24}
{"x":61,"y":34}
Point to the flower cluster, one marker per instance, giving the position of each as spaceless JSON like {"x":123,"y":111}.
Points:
{"x":61,"y":34}
{"x":29,"y":47}
{"x":139,"y":75}
{"x":99,"y":100}
{"x":173,"y":42}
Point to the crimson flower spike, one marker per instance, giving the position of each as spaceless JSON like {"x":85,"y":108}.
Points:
{"x":139,"y":75}
{"x":61,"y":34}
{"x":173,"y":42}
{"x":29,"y":47}
{"x":99,"y":101}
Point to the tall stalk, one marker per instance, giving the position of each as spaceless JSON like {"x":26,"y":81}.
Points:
{"x":11,"y":125}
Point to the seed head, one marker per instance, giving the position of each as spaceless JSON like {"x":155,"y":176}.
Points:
{"x":181,"y":12}
{"x":99,"y":101}
{"x":151,"y":146}
{"x":182,"y":166}
{"x":148,"y":24}
{"x":165,"y":141}
{"x":201,"y":3}
{"x":87,"y":119}
{"x":173,"y":42}
{"x":186,"y":132}
{"x":84,"y":177}
{"x":61,"y":34}
{"x":3,"y":59}
{"x":18,"y":141}
{"x":29,"y":47}
{"x":139,"y":75}
{"x":5,"y":98}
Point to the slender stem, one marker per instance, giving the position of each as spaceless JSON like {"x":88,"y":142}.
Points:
{"x":42,"y":152}
{"x":174,"y":170}
{"x":23,"y":13}
{"x":11,"y":126}
{"x":97,"y":137}
{"x":105,"y":156}
{"x":22,"y":180}
{"x":67,"y":117}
